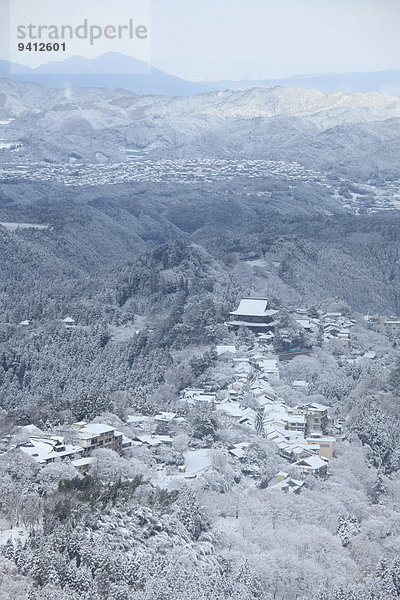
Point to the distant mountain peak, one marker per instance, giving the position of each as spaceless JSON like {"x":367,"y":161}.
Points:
{"x":114,"y":70}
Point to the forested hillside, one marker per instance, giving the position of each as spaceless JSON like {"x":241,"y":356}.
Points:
{"x":154,"y":446}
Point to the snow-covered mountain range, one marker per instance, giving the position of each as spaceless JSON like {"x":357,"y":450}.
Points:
{"x":352,"y":130}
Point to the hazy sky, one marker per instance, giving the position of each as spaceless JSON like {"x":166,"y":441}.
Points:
{"x":238,"y":39}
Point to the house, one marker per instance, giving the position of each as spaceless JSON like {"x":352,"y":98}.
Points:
{"x":234,"y":412}
{"x":126,"y":442}
{"x":24,"y":323}
{"x":193,"y":396}
{"x":231,"y":410}
{"x":276,"y":415}
{"x":270,"y":367}
{"x":265,"y":399}
{"x":223,"y":350}
{"x":257,"y":356}
{"x":296,"y":423}
{"x":300,"y":384}
{"x":69,"y":323}
{"x":313,"y":465}
{"x":275,"y":433}
{"x":154,"y":440}
{"x":283,"y":482}
{"x":377,"y":320}
{"x":82,"y":465}
{"x":310,"y":325}
{"x":236,"y":387}
{"x":293,"y":452}
{"x":253,"y":313}
{"x":165,"y":417}
{"x":248,"y":418}
{"x":46,"y":450}
{"x":392,"y":324}
{"x":263,"y":388}
{"x":242,"y":369}
{"x":197,"y":462}
{"x":239,"y":450}
{"x":266,"y":338}
{"x":325,"y":444}
{"x":240,"y":359}
{"x":345,"y":337}
{"x":97,"y":435}
{"x":139,"y":421}
{"x":317,"y":415}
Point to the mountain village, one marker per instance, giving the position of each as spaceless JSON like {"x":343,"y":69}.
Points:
{"x":303,"y":435}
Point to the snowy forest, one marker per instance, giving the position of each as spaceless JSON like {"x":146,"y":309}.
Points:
{"x":199,"y":379}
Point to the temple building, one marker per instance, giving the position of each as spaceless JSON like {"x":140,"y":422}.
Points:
{"x":255,"y":314}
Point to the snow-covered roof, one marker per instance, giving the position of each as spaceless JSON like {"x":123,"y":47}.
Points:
{"x":165,"y":416}
{"x":266,"y":336}
{"x":198,"y":395}
{"x":306,"y":323}
{"x":312,"y":406}
{"x":254,"y":307}
{"x":43,"y":449}
{"x":239,"y":450}
{"x":203,"y":397}
{"x":94,"y":430}
{"x":296,"y":419}
{"x":287,"y":485}
{"x":299,"y":449}
{"x":29,"y":430}
{"x":230,"y":409}
{"x":68,"y":320}
{"x":155,"y":440}
{"x":313,"y":462}
{"x":315,"y":438}
{"x":243,"y":367}
{"x":197,"y":461}
{"x":269,"y":364}
{"x":82,"y":462}
{"x":226,"y":349}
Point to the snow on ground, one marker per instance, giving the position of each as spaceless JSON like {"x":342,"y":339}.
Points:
{"x":16,"y":226}
{"x":18,"y":533}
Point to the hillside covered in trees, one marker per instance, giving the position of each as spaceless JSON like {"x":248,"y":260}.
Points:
{"x":148,"y":276}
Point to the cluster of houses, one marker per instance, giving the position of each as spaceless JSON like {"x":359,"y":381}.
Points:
{"x":249,"y":401}
{"x":258,"y":316}
{"x":47,"y":447}
{"x":328,"y":325}
{"x":144,"y":169}
{"x":390,"y":323}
